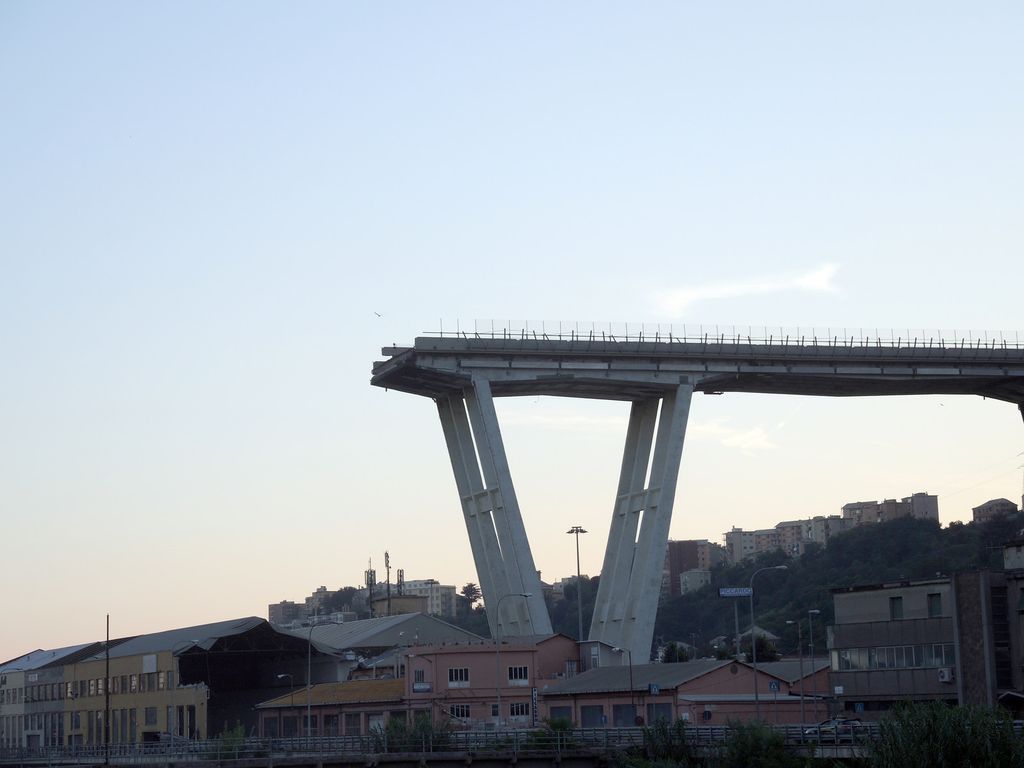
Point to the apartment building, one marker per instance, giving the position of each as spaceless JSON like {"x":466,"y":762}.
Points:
{"x":992,"y":509}
{"x":440,"y":597}
{"x":923,"y":506}
{"x":689,"y":555}
{"x":792,"y":536}
{"x":956,"y":639}
{"x":285,"y":612}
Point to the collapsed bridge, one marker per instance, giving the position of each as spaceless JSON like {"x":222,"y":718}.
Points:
{"x":463,"y":373}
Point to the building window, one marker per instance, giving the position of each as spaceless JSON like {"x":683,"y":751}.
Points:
{"x":458,"y":677}
{"x":150,"y":715}
{"x":934,"y":605}
{"x":460,"y":711}
{"x":353,"y":724}
{"x":518,"y":676}
{"x":895,"y":608}
{"x":494,"y":710}
{"x":418,"y":676}
{"x":519,"y":709}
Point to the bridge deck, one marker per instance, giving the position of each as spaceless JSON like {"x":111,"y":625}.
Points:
{"x":628,"y":370}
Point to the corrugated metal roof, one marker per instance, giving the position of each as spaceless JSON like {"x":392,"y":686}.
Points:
{"x":383,"y":632}
{"x":608,"y":679}
{"x":351,"y":691}
{"x":39,"y":658}
{"x":180,"y":640}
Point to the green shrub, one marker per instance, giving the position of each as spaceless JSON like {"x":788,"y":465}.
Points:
{"x":934,"y":734}
{"x":423,"y":735}
{"x":755,"y":745}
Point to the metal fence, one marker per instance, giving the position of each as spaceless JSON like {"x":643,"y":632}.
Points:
{"x":511,"y":742}
{"x":684,"y":333}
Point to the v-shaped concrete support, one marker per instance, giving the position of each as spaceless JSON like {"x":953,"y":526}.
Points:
{"x":627,"y":597}
{"x":501,"y":551}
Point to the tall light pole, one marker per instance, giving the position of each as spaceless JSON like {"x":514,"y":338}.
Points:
{"x":629,"y":659}
{"x":576,"y":530}
{"x":814,"y":674}
{"x":309,"y":669}
{"x":800,"y":646}
{"x":753,"y":640}
{"x":291,"y":684}
{"x":497,"y":645}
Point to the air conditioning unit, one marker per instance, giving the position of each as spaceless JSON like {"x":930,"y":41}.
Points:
{"x":946,"y":675}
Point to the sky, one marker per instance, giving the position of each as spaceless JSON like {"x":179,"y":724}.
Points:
{"x":213,"y":216}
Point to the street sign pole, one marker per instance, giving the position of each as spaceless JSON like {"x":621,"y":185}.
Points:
{"x":736,"y":592}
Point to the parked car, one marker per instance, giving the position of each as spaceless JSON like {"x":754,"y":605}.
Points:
{"x":836,"y":729}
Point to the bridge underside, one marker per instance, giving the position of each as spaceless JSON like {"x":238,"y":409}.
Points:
{"x":463,"y":375}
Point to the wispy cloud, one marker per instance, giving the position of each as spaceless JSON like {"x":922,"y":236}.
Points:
{"x":748,"y":441}
{"x":819,"y":280}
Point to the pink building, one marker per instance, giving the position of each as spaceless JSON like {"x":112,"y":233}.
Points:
{"x":352,"y":708}
{"x":710,"y":692}
{"x":481,"y":685}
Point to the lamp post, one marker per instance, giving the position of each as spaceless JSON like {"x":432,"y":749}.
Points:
{"x":629,"y":659}
{"x":753,"y":640}
{"x":309,"y":669}
{"x":800,"y":646}
{"x":576,"y":530}
{"x":291,"y":698}
{"x":497,"y":645}
{"x":814,"y":676}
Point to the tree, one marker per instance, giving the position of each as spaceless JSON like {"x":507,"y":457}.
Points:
{"x":673,"y":653}
{"x":766,"y":650}
{"x":471,"y":592}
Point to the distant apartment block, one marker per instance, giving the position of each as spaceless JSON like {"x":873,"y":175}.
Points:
{"x":317,"y":602}
{"x":688,"y":555}
{"x":792,"y":536}
{"x":285,"y":612}
{"x":692,"y":580}
{"x":992,"y":509}
{"x":923,"y":506}
{"x":440,"y":597}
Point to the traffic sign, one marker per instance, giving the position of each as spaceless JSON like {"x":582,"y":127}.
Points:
{"x":735,"y":591}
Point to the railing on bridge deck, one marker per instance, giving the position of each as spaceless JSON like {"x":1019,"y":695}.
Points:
{"x":685,"y":333}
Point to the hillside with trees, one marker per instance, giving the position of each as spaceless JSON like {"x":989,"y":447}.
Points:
{"x":903,"y":549}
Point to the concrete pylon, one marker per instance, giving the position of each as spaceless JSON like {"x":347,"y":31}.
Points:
{"x":497,"y":536}
{"x":627,"y":597}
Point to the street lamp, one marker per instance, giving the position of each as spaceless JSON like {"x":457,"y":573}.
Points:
{"x":629,"y":659}
{"x":497,"y":645}
{"x":309,"y":668}
{"x":576,"y":530}
{"x":291,"y":698}
{"x":814,"y":676}
{"x":800,"y":645}
{"x":753,"y":640}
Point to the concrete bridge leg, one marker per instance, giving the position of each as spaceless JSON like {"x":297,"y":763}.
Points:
{"x":497,"y":536}
{"x":627,"y":597}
